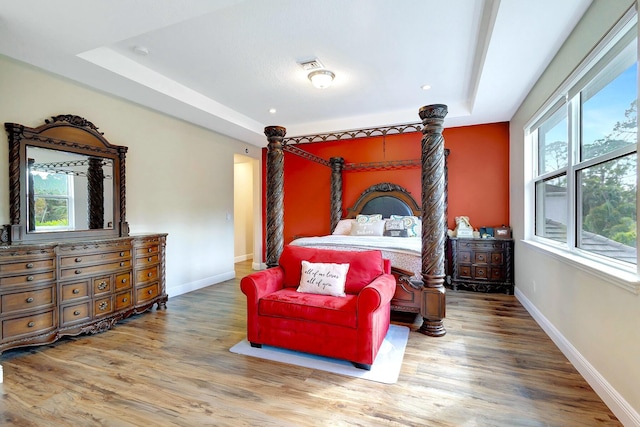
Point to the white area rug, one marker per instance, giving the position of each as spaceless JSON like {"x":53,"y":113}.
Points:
{"x":385,"y":369}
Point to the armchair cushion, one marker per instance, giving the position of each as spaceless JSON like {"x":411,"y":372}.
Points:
{"x":364,"y":266}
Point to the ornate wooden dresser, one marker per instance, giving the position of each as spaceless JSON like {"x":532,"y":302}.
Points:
{"x":484,"y":265}
{"x":67,"y":262}
{"x":49,"y":290}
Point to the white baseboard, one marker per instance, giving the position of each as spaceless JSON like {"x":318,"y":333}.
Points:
{"x":199,"y":284}
{"x":258,"y":265}
{"x":618,"y":405}
{"x":244,"y":257}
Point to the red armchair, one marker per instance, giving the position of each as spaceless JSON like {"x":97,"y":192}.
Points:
{"x":352,"y":327}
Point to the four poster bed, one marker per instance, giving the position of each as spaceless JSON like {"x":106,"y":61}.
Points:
{"x":405,"y":251}
{"x":419,"y":264}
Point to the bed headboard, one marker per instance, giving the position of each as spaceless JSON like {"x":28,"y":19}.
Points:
{"x":386,"y":199}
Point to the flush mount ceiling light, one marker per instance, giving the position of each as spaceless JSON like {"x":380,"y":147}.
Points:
{"x":321,"y":79}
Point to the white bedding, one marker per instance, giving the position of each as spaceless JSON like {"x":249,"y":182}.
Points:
{"x":403,"y":252}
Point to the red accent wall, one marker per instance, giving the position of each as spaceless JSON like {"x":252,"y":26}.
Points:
{"x":478,"y":176}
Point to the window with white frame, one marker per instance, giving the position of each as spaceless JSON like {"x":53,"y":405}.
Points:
{"x":585,"y":151}
{"x":53,"y":201}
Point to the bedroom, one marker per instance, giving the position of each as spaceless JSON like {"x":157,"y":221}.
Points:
{"x":171,"y":202}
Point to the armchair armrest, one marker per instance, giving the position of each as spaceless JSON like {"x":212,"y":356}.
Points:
{"x":261,"y":283}
{"x":377,"y":293}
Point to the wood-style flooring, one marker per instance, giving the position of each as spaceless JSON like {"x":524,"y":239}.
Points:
{"x":494,"y":367}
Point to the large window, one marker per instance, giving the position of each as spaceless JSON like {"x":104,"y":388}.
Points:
{"x":585,"y":150}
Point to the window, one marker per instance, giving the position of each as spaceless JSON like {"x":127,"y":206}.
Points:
{"x":53,"y":203}
{"x":585,"y":150}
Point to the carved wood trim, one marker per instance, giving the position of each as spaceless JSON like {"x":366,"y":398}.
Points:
{"x":354,"y":134}
{"x":275,"y":194}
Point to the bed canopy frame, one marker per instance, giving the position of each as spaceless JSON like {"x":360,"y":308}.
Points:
{"x":433,"y":179}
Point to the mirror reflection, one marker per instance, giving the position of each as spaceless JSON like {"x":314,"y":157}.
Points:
{"x":68,"y":191}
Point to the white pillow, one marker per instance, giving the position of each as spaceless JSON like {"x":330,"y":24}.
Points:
{"x":367,"y":228}
{"x":343,"y":227}
{"x":323,"y":278}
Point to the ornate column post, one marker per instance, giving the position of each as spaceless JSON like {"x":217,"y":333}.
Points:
{"x":275,"y":194}
{"x":95,"y":188}
{"x":122,"y":183}
{"x":337,"y":165}
{"x":433,"y":225}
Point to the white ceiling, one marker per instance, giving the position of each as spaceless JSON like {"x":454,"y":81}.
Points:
{"x":222,"y":64}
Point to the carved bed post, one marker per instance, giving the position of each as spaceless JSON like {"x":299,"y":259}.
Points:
{"x":275,"y":194}
{"x":433,"y":225}
{"x":337,"y":165}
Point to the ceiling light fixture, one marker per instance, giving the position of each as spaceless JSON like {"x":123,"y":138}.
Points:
{"x":425,"y":87}
{"x":321,"y":79}
{"x":141,"y":50}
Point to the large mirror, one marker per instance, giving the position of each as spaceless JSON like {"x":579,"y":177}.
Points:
{"x":66,"y":181}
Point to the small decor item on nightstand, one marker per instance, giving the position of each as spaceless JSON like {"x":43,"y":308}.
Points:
{"x":503,"y":232}
{"x":463,"y":228}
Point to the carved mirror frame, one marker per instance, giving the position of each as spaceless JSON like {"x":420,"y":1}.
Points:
{"x":72,"y":134}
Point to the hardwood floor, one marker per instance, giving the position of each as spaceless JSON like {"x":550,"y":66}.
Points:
{"x":494,"y":367}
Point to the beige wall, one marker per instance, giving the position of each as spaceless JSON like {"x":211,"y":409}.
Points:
{"x":179,"y":176}
{"x":594,"y":322}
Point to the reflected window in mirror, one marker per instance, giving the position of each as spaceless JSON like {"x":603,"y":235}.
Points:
{"x":68,"y":191}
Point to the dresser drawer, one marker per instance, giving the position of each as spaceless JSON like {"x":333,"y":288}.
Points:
{"x":102,"y":285}
{"x":27,"y":300}
{"x":26,"y":266}
{"x":95,"y":269}
{"x":481,"y":257}
{"x":83,"y":260}
{"x":480,"y":272}
{"x":75,"y":290}
{"x":28,"y":325}
{"x":147,"y":274}
{"x":103,"y":306}
{"x":28,"y":279}
{"x":123,"y":300}
{"x":147,"y":250}
{"x":75,"y":313}
{"x":147,"y":260}
{"x":497,"y":258}
{"x":146,"y":293}
{"x":123,"y":281}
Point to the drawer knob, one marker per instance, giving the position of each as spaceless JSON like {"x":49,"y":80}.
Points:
{"x":149,"y":274}
{"x":124,"y":280}
{"x":29,"y":278}
{"x":480,"y":273}
{"x":150,"y":291}
{"x":78,"y":259}
{"x":102,"y":286}
{"x":481,"y":258}
{"x":149,"y":250}
{"x":31,"y":324}
{"x":30,"y":299}
{"x":76,"y":291}
{"x":76,"y":313}
{"x":78,"y":271}
{"x":122,"y":264}
{"x":121,"y":253}
{"x":124,"y":299}
{"x":103,"y":305}
{"x":30,"y":265}
{"x":149,"y":259}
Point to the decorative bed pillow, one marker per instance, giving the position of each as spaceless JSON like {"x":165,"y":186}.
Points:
{"x":323,"y":278}
{"x":368,"y":228}
{"x":413,"y":224}
{"x":343,"y":227}
{"x":395,"y":228}
{"x":363,"y":219}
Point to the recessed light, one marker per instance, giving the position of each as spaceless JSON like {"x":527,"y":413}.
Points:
{"x":272,"y":110}
{"x":425,"y":87}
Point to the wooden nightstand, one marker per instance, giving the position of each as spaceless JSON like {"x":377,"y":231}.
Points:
{"x":483,"y":265}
